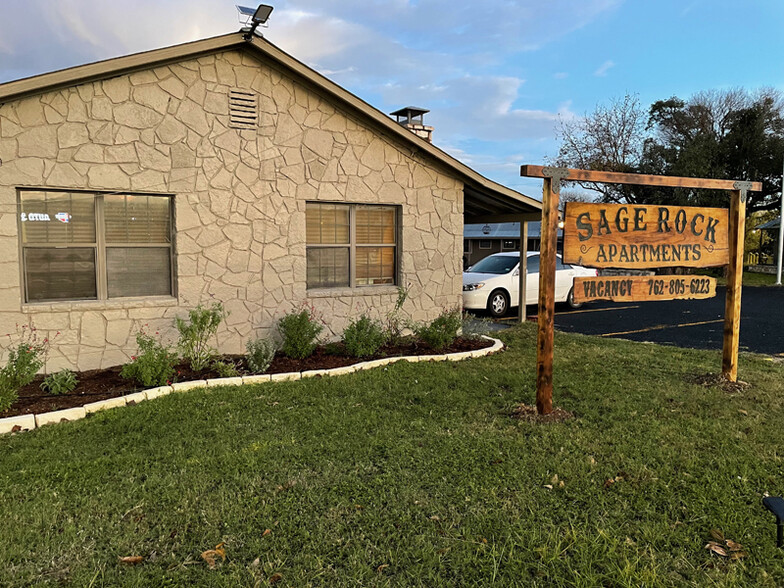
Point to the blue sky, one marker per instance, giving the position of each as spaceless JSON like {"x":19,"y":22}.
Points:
{"x":496,"y":75}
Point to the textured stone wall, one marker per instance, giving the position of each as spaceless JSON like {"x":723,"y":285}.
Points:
{"x":239,"y":200}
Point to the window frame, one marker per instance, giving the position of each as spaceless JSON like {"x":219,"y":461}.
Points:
{"x":352,"y":246}
{"x":100,"y":245}
{"x":485,"y":244}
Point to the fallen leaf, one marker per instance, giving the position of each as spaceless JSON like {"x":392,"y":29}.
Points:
{"x":16,"y":428}
{"x":266,"y":532}
{"x":743,"y":412}
{"x":483,"y":540}
{"x":256,"y":563}
{"x":591,"y":460}
{"x":210,"y":555}
{"x":736,"y":555}
{"x":716,"y":548}
{"x":609,"y":482}
{"x":132,"y":560}
{"x":275,"y":578}
{"x":717,"y":534}
{"x":733,"y":546}
{"x":435,"y":518}
{"x":382,"y":567}
{"x":561,"y":484}
{"x":548,"y":486}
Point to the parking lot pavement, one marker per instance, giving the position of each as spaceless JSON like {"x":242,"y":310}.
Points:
{"x":683,"y":323}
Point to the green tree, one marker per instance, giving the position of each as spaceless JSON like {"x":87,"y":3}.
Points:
{"x":727,"y":134}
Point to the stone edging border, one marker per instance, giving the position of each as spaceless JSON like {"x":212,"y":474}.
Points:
{"x":26,"y":422}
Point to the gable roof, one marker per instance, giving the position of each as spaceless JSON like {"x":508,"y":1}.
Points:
{"x":487,"y":197}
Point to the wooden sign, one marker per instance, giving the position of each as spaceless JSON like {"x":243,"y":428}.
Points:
{"x":643,"y":288}
{"x":645,"y":236}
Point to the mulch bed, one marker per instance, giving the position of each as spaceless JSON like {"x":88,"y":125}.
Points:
{"x":719,"y":381}
{"x":95,"y":385}
{"x":529,"y":414}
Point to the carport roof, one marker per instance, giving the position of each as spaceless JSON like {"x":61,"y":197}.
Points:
{"x":502,"y":231}
{"x":483,"y":196}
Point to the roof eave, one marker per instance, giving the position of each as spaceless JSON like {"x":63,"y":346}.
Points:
{"x":116,"y":66}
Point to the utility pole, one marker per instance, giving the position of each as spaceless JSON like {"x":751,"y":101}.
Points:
{"x":781,"y":233}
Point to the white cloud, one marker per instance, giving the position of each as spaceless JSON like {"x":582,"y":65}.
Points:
{"x":604,"y":68}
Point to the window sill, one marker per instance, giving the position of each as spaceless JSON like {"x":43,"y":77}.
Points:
{"x":352,"y":292}
{"x":114,"y":304}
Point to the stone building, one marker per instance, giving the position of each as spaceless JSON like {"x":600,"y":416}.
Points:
{"x":134,"y":188}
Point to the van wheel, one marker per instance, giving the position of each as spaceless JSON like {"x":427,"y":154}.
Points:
{"x":498,"y":303}
{"x":570,"y":300}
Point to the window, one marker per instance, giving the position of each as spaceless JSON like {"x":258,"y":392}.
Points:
{"x":80,"y":246}
{"x":510,"y":244}
{"x":485,"y":244}
{"x":351,"y":245}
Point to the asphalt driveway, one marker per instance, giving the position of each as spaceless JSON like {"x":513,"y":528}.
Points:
{"x":683,"y":323}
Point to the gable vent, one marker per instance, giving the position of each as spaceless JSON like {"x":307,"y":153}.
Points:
{"x":243,"y":109}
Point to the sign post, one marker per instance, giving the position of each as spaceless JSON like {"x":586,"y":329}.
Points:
{"x":638,"y":236}
{"x":546,"y":314}
{"x":729,"y":356}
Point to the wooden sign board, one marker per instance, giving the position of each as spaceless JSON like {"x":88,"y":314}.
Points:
{"x":645,"y":236}
{"x":643,"y":288}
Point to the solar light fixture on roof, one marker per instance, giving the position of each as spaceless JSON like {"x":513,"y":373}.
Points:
{"x":254,"y":18}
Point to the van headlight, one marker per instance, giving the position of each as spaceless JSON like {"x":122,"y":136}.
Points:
{"x":472,"y":287}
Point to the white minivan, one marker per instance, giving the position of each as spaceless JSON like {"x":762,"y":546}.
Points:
{"x":493,"y":284}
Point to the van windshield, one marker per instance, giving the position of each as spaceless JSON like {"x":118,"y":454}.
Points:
{"x":500,"y":264}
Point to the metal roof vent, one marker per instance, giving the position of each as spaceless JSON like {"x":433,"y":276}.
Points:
{"x":413,"y":119}
{"x":243,"y":109}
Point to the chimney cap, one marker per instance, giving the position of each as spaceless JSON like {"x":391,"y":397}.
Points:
{"x":412,"y":110}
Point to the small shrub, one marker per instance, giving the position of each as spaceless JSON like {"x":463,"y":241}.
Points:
{"x":261,"y":352}
{"x":363,"y":337}
{"x":474,"y":327}
{"x":8,"y":392}
{"x":195,"y":333}
{"x":225,"y":369}
{"x":442,"y":332}
{"x":154,"y":364}
{"x":62,"y":382}
{"x":299,"y":331}
{"x":24,"y":361}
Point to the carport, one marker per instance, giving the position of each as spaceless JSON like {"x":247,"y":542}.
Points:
{"x":488,"y":202}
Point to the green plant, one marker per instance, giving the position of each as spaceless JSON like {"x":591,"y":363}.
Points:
{"x":475,"y":327}
{"x":394,"y":321}
{"x":363,"y":337}
{"x":202,"y":323}
{"x":299,"y":331}
{"x":24,"y":360}
{"x":225,"y":369}
{"x":260,"y":355}
{"x":154,"y":363}
{"x":61,"y":382}
{"x":441,"y":332}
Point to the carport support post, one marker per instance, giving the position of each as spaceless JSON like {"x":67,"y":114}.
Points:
{"x":523,"y":268}
{"x":546,"y":315}
{"x":729,"y":358}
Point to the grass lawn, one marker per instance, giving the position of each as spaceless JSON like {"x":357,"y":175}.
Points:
{"x":749,"y":278}
{"x":413,"y":475}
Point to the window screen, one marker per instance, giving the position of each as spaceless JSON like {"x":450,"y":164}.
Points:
{"x":79,"y":246}
{"x":345,"y":240}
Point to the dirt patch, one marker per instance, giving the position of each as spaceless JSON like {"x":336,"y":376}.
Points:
{"x":529,"y":414}
{"x":95,"y":385}
{"x":719,"y":381}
